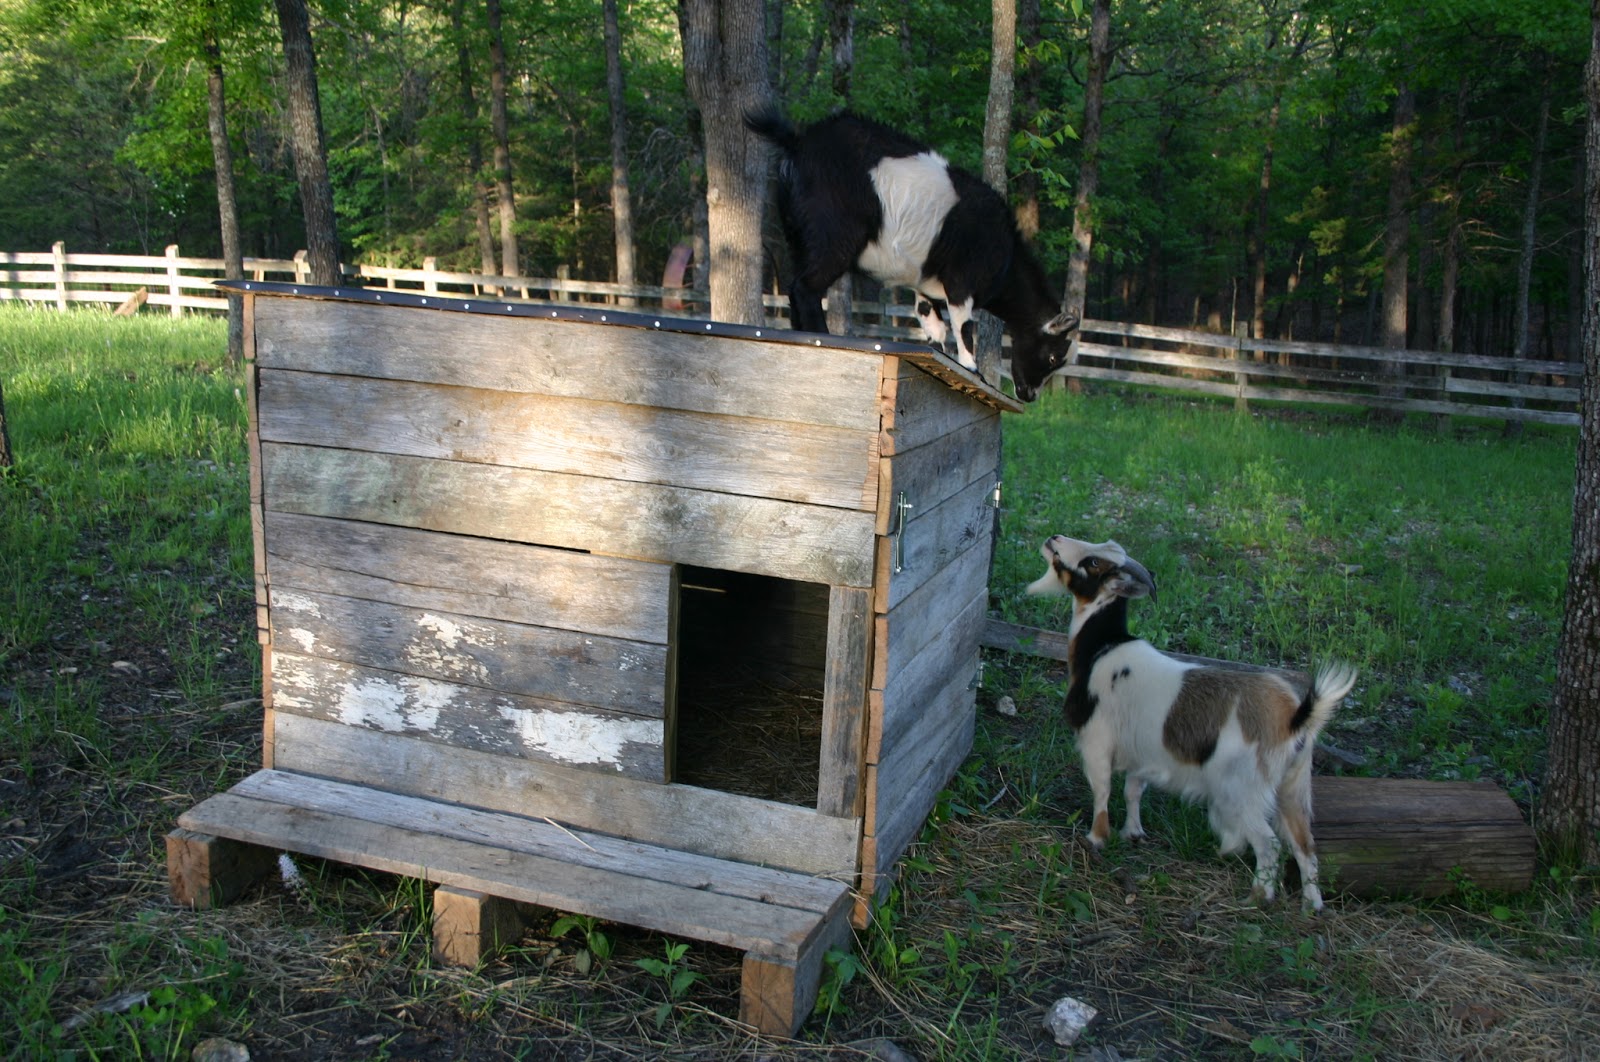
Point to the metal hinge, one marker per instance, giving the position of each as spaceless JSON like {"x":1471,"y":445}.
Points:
{"x":994,"y":496}
{"x":977,"y":678}
{"x":901,"y":508}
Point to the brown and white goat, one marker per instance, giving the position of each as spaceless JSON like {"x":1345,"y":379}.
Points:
{"x":1239,"y":741}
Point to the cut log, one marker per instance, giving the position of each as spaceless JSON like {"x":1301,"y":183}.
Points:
{"x":1381,"y":837}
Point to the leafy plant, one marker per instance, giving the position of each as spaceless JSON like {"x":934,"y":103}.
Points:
{"x":596,"y":945}
{"x":674,"y":974}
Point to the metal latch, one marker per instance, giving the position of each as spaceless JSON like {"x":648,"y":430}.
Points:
{"x":901,"y":508}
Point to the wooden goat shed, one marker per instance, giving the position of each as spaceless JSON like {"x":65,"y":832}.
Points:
{"x":672,"y":623}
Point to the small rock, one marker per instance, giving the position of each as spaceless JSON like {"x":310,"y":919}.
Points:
{"x":882,"y":1049}
{"x":1006,"y":706}
{"x":1068,"y":1018}
{"x":125,"y":665}
{"x":217,"y":1049}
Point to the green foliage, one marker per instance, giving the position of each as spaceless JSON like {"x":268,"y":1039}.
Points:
{"x":674,"y":975}
{"x":596,"y":945}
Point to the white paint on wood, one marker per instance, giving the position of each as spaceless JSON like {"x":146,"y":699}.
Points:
{"x":578,"y":737}
{"x":395,"y":706}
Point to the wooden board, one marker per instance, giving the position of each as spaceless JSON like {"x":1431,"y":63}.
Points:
{"x":812,"y":464}
{"x":722,"y":825}
{"x":643,"y":521}
{"x":471,"y":717}
{"x":606,"y":596}
{"x":954,"y":652}
{"x":940,"y":469}
{"x":890,"y":786}
{"x":844,"y":700}
{"x":927,"y":613}
{"x":919,"y":408}
{"x":772,"y":912}
{"x":668,"y":370}
{"x":1407,"y":836}
{"x":933,"y":539}
{"x":515,"y":658}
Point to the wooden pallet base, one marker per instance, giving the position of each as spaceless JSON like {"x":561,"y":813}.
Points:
{"x":487,"y":862}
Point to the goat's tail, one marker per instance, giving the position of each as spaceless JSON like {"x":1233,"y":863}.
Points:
{"x":1329,"y":685}
{"x":768,"y":122}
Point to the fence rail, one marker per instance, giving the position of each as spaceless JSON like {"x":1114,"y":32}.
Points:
{"x":1244,"y":369}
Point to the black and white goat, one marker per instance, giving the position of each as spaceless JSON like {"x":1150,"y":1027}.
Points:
{"x":1240,"y":741}
{"x":856,"y":194}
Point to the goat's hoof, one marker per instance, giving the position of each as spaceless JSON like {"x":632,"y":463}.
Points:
{"x":1132,"y":836}
{"x":1311,"y":902}
{"x":1262,"y":895}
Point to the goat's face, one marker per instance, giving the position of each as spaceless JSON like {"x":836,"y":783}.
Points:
{"x":1035,"y":356}
{"x":1090,"y":572}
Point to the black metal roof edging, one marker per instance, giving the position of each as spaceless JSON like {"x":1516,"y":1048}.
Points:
{"x":936,"y":362}
{"x":567,"y":312}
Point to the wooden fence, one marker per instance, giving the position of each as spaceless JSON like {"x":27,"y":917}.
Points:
{"x":1414,"y":381}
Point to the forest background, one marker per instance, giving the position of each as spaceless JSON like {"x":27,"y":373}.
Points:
{"x":1258,"y":162}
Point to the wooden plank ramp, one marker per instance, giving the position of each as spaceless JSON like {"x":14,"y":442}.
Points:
{"x":782,"y":920}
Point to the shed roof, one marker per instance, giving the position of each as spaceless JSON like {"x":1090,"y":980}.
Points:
{"x":935,"y":363}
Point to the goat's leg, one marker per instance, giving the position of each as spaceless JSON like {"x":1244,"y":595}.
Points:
{"x":1097,"y":768}
{"x":1294,"y":827}
{"x":928,"y":312}
{"x":966,"y":330}
{"x":1132,"y":793}
{"x":805,"y":307}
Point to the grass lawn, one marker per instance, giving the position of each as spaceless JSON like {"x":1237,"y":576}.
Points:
{"x":1432,"y":556}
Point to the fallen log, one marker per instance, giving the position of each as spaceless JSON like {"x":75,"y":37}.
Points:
{"x":1379,"y":837}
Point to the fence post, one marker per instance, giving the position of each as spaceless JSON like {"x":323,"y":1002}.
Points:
{"x":430,"y":285}
{"x":1241,"y":332}
{"x":59,"y":249}
{"x":173,"y":290}
{"x":563,"y":274}
{"x":302,"y":268}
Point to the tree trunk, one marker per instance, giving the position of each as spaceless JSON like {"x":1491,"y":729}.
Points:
{"x":725,"y":70}
{"x":306,"y":140}
{"x":227,"y":201}
{"x":1002,"y":85}
{"x":621,"y":200}
{"x":504,"y":192}
{"x":1027,"y":183}
{"x":1258,"y":239}
{"x":1569,"y":812}
{"x":1521,"y":327}
{"x":1089,"y":169}
{"x":1397,"y":238}
{"x":841,"y":18}
{"x":469,"y":116}
{"x":996,"y":147}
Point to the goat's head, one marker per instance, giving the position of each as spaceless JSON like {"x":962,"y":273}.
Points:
{"x":1092,"y":573}
{"x":1037,"y":354}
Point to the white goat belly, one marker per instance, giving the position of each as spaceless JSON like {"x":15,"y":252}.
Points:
{"x":916,"y":195}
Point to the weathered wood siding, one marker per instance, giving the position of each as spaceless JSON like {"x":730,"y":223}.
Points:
{"x":942,"y":455}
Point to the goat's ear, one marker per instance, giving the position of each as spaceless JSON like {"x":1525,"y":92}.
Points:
{"x":1132,"y":580}
{"x":1061,"y":324}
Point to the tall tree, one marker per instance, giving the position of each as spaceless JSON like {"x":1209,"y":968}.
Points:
{"x":725,"y":70}
{"x":500,"y":124}
{"x":469,"y":131}
{"x":621,"y":200}
{"x":1397,"y":233}
{"x":308,"y":144}
{"x":1569,"y":813}
{"x":996,"y":148}
{"x":1089,"y":168}
{"x":227,"y":197}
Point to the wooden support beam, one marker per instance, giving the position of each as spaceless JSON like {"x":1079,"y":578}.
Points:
{"x":470,"y":927}
{"x":777,"y":995}
{"x":206,"y":871}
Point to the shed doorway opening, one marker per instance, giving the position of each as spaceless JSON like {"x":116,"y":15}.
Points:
{"x":752,"y":655}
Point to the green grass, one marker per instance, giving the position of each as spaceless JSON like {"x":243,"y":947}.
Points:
{"x":1433,"y":559}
